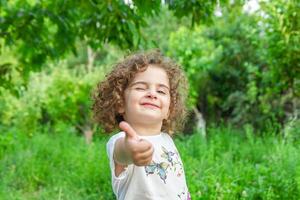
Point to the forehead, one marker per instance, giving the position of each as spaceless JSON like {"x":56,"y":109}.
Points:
{"x":153,"y":74}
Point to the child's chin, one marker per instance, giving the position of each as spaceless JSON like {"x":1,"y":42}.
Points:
{"x":150,"y":118}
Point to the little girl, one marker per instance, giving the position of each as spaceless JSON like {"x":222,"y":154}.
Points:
{"x":144,"y":96}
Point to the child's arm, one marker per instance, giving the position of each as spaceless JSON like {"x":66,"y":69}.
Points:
{"x":131,"y":149}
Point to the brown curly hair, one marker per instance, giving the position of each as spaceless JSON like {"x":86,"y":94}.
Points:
{"x":109,"y":95}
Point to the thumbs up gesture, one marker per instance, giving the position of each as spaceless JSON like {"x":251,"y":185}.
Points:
{"x":139,"y":151}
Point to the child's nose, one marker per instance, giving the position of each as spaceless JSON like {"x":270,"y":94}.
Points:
{"x":152,"y":94}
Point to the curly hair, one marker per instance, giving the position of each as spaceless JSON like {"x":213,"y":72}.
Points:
{"x":108,"y":97}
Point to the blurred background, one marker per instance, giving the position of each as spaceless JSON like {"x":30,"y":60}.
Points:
{"x":242,"y":60}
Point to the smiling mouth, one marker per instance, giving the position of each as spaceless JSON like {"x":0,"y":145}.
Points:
{"x":150,"y":105}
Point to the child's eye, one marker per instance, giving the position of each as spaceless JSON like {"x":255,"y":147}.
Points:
{"x":161,"y":92}
{"x":140,"y":88}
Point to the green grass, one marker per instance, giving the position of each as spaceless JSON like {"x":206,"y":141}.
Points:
{"x":55,"y":167}
{"x":226,"y":165}
{"x":230,"y":165}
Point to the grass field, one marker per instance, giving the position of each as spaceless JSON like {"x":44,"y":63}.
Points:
{"x":227,"y":165}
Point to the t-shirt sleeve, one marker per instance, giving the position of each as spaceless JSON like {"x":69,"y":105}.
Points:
{"x":118,"y":182}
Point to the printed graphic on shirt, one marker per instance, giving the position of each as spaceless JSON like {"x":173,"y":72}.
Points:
{"x":173,"y":159}
{"x":170,"y":163}
{"x":168,"y":155}
{"x":159,"y":168}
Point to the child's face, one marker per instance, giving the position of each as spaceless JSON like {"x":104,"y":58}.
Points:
{"x":147,"y":98}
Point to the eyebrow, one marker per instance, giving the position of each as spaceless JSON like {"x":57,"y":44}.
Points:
{"x":145,"y":83}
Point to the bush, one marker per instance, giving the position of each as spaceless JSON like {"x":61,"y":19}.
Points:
{"x":238,"y":72}
{"x":60,"y":97}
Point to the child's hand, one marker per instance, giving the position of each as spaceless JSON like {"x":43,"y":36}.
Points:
{"x":140,"y":150}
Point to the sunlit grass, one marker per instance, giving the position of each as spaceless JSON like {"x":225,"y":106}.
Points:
{"x":55,"y":167}
{"x":230,"y":165}
{"x":226,"y":165}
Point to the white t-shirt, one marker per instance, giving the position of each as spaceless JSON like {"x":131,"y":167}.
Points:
{"x":163,"y":179}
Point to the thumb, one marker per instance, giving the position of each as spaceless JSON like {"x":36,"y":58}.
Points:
{"x":130,"y":133}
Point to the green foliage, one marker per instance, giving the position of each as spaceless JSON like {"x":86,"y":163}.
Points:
{"x":196,"y":54}
{"x":47,"y":30}
{"x":282,"y":29}
{"x":282,"y":53}
{"x":200,"y":10}
{"x":236,"y":80}
{"x":244,"y":68}
{"x":50,"y":29}
{"x":230,"y":164}
{"x":67,"y":98}
{"x":157,"y":33}
{"x":60,"y":98}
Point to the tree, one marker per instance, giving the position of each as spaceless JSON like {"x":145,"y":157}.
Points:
{"x":245,"y":68}
{"x":42,"y":30}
